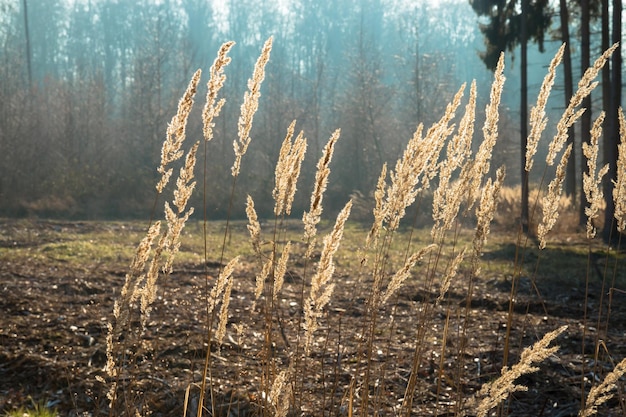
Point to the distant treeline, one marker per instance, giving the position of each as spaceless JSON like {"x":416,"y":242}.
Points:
{"x":87,"y":90}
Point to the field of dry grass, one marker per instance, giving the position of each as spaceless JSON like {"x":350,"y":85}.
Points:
{"x":325,"y":316}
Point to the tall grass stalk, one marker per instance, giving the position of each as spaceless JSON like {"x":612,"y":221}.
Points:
{"x":467,"y":194}
{"x":619,"y":199}
{"x":155,"y":254}
{"x":550,"y":201}
{"x":248,"y":110}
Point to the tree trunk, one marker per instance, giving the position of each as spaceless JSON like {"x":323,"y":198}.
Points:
{"x":570,"y":178}
{"x":524,"y":112}
{"x":606,"y":70}
{"x":27,"y":36}
{"x":585,"y":124}
{"x":612,"y":134}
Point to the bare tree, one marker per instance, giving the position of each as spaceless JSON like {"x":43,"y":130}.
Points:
{"x":611,"y":138}
{"x":27,"y":38}
{"x":585,"y":122}
{"x":510,"y":24}
{"x":570,"y":179}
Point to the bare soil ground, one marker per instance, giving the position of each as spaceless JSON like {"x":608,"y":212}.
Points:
{"x":53,"y":317}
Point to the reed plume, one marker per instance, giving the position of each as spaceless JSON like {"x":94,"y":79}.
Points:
{"x":379,"y":206}
{"x":403,"y":273}
{"x":482,"y":161}
{"x":312,"y":217}
{"x":498,"y":390}
{"x":175,"y":136}
{"x":148,"y":291}
{"x":212,"y":107}
{"x":418,"y":163}
{"x":321,"y":287}
{"x":619,"y":190}
{"x":447,"y":197}
{"x":288,"y":170}
{"x":486,"y":210}
{"x":261,"y":277}
{"x":550,"y":202}
{"x":585,"y":86}
{"x":250,"y":106}
{"x":404,"y":178}
{"x":281,"y":392}
{"x":221,"y":326}
{"x":591,"y":182}
{"x":131,"y":290}
{"x":601,"y":393}
{"x":452,"y":271}
{"x":182,"y":194}
{"x":254,"y":227}
{"x":538,"y":120}
{"x":281,"y":270}
{"x":220,"y":284}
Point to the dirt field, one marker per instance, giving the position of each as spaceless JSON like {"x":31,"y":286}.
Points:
{"x":55,"y":303}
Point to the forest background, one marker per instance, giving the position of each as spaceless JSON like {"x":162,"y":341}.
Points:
{"x":87,"y":88}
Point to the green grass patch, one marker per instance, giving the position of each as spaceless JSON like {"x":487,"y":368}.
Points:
{"x":38,"y":409}
{"x":113,"y":244}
